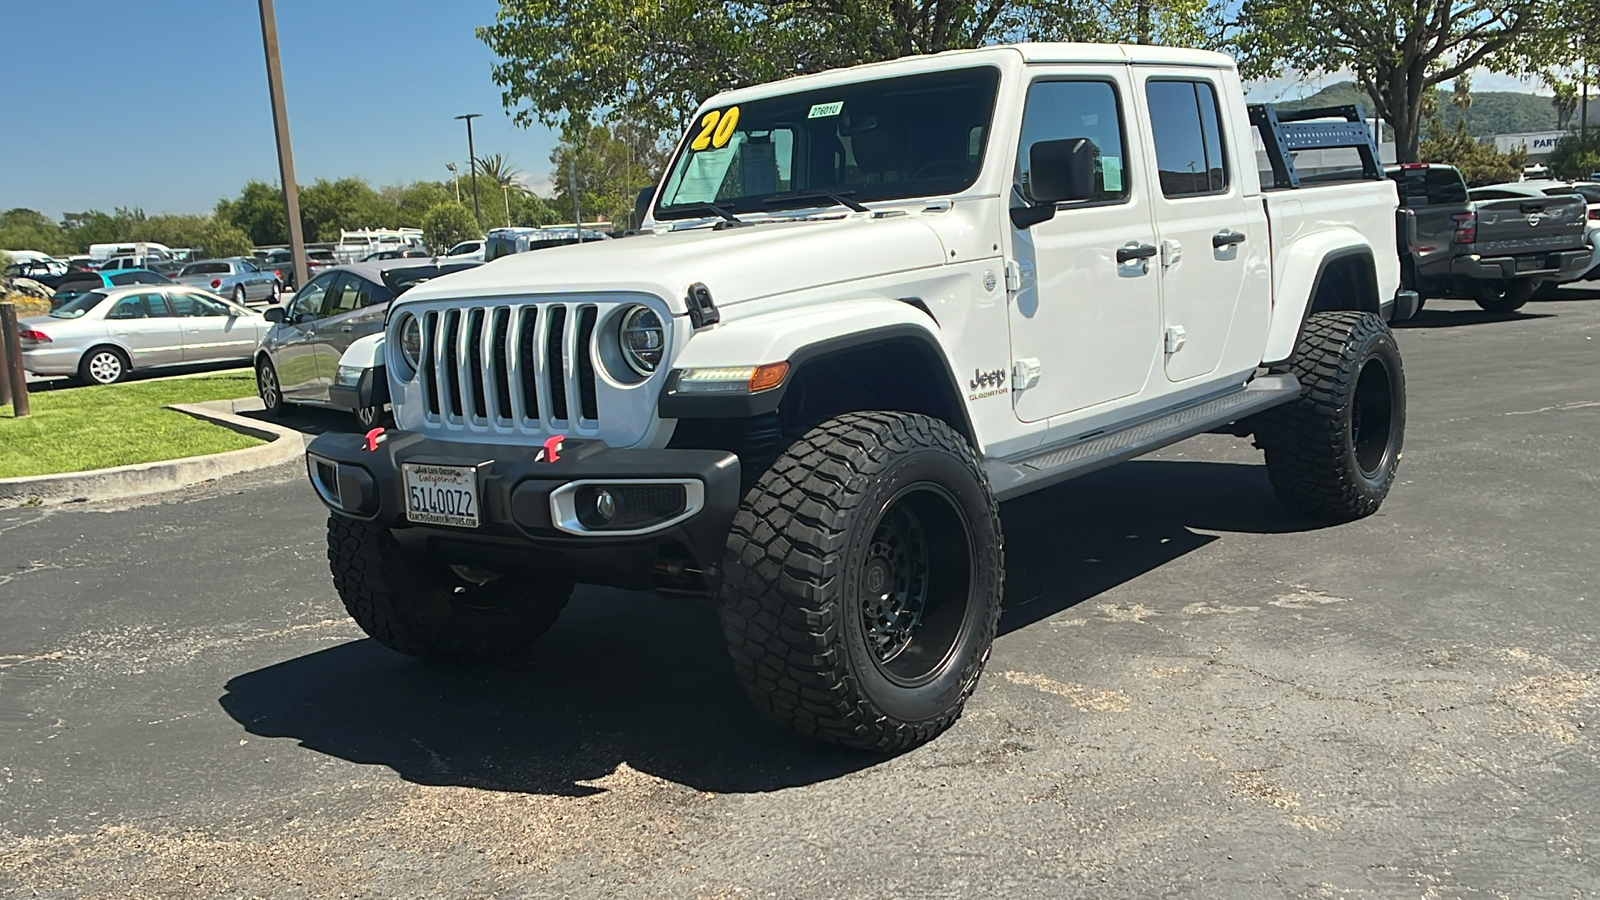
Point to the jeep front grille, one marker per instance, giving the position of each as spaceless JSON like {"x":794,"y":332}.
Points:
{"x":521,"y":366}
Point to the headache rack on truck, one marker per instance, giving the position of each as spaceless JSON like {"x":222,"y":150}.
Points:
{"x":1284,"y":133}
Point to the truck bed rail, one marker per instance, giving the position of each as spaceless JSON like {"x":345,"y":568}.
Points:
{"x":1285,"y":133}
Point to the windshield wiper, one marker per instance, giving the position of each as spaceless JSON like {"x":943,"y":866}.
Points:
{"x":840,"y":198}
{"x":732,"y":220}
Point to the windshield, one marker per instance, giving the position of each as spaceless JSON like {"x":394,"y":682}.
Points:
{"x":78,"y":305}
{"x":889,"y":139}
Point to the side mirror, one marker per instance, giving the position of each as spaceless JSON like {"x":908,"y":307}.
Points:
{"x":1058,"y":172}
{"x":274,"y":314}
{"x":641,"y":205}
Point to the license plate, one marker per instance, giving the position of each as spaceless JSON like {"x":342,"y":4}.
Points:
{"x":441,"y":495}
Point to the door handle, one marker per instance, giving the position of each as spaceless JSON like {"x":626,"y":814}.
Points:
{"x":1227,"y":237}
{"x":1134,"y":251}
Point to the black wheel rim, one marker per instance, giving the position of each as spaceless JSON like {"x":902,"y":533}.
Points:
{"x":915,"y":584}
{"x":1372,"y":418}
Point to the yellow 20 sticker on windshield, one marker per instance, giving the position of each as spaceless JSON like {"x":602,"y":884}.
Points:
{"x":716,"y":129}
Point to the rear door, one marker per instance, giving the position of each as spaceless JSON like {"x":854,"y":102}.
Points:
{"x":1208,"y":235}
{"x":144,"y":325}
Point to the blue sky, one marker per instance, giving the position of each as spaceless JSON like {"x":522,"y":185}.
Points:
{"x":170,"y":109}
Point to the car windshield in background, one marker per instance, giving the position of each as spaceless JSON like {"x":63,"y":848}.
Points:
{"x":890,"y":139}
{"x":77,"y":306}
{"x":205,"y":269}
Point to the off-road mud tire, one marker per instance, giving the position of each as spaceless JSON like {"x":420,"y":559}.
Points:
{"x":793,"y":589}
{"x":1320,"y":460}
{"x":421,"y":609}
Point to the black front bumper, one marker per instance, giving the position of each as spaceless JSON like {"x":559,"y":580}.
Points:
{"x":517,"y":529}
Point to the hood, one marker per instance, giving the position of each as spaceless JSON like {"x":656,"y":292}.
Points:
{"x":736,"y":264}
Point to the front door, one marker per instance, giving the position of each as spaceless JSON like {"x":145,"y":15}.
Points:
{"x":1207,"y":236}
{"x":212,"y":330}
{"x":1085,"y":315}
{"x":347,"y":314}
{"x":144,"y":325}
{"x":294,"y":350}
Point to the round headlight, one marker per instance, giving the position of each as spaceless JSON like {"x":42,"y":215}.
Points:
{"x":642,"y":338}
{"x":411,"y":342}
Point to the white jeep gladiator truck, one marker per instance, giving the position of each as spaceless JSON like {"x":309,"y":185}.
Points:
{"x":867,"y":306}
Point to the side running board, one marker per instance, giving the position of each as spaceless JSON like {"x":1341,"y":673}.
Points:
{"x":1081,"y":455}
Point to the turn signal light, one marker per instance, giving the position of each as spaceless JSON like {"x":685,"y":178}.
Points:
{"x":768,"y":376}
{"x":732,"y":379}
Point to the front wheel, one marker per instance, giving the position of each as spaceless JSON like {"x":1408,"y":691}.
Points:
{"x":862,"y":582}
{"x":269,"y":387}
{"x":1503,"y":296}
{"x":432,"y":611}
{"x":372,"y":416}
{"x":1333,"y":452}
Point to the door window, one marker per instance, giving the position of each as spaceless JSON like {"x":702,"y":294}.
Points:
{"x":307,"y":305}
{"x":1190,"y":160}
{"x":185,"y":304}
{"x":140,"y":306}
{"x":350,"y":293}
{"x":1058,"y":110}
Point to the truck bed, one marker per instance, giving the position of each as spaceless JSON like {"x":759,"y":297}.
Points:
{"x":1366,"y":207}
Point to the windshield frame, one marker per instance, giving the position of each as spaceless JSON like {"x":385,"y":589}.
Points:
{"x":807,"y":197}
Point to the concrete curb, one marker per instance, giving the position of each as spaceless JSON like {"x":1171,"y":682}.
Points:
{"x":282,"y":444}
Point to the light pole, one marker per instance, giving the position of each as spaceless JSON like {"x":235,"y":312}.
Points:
{"x":472,"y":158}
{"x":280,"y":127}
{"x":455,"y":178}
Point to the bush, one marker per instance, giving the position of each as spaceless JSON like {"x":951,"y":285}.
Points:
{"x":448,"y":224}
{"x":1576,"y":159}
{"x":1480,"y":164}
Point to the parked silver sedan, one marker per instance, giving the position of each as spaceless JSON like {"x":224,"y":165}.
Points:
{"x":239,"y":279}
{"x":102,"y":335}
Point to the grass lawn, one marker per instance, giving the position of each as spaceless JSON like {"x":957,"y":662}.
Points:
{"x":97,"y":427}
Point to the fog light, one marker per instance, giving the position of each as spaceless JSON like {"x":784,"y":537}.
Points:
{"x":604,"y":506}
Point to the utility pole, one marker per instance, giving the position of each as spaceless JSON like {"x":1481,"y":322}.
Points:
{"x":455,"y":178}
{"x":572,"y":185}
{"x":280,"y":126}
{"x":472,"y":158}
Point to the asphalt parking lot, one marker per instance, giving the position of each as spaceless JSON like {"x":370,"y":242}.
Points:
{"x":1195,"y":694}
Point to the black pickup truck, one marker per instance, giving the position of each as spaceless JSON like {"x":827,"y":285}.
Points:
{"x":1494,"y":251}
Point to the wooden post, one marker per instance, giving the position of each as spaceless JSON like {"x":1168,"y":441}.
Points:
{"x":5,"y":375}
{"x":13,"y":358}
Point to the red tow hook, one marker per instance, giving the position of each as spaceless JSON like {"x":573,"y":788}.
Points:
{"x":372,"y":439}
{"x":551,"y":446}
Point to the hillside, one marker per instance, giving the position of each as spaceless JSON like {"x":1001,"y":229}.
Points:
{"x":1492,"y":112}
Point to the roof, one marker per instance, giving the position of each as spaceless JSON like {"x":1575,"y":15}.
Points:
{"x":998,"y":54}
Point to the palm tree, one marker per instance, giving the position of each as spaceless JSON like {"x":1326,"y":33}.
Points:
{"x":502,"y":171}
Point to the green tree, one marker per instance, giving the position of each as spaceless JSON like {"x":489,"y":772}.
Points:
{"x":503,"y":173}
{"x":448,"y":224}
{"x":1479,"y":163}
{"x":216,"y":239}
{"x":1575,"y":157}
{"x":327,"y":207}
{"x":413,"y":201}
{"x":258,"y":212}
{"x":613,"y":162}
{"x":1399,"y":50}
{"x":528,"y":210}
{"x":27,"y":229}
{"x":653,"y":62}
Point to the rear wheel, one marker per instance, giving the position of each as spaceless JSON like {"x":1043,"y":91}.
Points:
{"x":277,"y":293}
{"x":268,"y":387}
{"x":861,"y":587}
{"x":103,"y":365}
{"x":1334,"y":451}
{"x":1503,"y":296}
{"x":421,"y":608}
{"x":238,"y":294}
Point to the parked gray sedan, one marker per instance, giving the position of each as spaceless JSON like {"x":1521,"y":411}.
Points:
{"x":102,"y":335}
{"x":299,"y":358}
{"x":239,"y":279}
